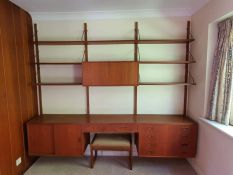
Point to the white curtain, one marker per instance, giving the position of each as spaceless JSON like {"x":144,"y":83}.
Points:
{"x":221,"y":82}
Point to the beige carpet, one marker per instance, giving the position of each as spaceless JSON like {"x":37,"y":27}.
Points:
{"x":110,"y":166}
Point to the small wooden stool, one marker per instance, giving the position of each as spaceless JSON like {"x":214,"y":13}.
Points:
{"x":111,"y":142}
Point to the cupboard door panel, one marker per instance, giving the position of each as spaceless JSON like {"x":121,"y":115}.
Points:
{"x":40,"y":139}
{"x":110,"y":73}
{"x":68,"y":140}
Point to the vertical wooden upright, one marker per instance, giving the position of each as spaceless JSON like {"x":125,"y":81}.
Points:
{"x":135,"y":59}
{"x":38,"y":70}
{"x":186,"y":70}
{"x":86,"y":60}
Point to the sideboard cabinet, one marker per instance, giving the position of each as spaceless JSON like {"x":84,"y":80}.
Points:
{"x":69,"y":135}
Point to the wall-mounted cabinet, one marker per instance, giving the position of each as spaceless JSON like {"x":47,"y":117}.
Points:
{"x":110,"y":73}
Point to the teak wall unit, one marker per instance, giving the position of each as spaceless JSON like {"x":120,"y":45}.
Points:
{"x":155,"y":135}
{"x":18,"y":94}
{"x":117,"y":73}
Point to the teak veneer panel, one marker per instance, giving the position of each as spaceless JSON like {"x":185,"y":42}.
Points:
{"x":59,"y":119}
{"x":67,"y":140}
{"x":40,"y":139}
{"x":18,"y":95}
{"x":110,"y":73}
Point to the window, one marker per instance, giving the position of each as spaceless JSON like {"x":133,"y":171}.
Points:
{"x":231,"y":120}
{"x":221,"y":108}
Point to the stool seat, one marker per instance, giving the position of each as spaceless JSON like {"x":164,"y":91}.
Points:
{"x":112,"y":140}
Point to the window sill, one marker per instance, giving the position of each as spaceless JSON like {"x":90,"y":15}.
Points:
{"x":227,"y":130}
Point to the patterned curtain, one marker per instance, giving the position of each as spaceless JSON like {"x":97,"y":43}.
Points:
{"x":221,"y":87}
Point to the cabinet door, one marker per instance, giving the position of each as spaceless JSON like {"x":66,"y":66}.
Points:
{"x":68,"y":140}
{"x":118,"y":73}
{"x":40,"y":139}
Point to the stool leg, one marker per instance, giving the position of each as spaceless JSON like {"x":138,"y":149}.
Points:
{"x":96,"y":153}
{"x":91,"y":158}
{"x":130,"y":159}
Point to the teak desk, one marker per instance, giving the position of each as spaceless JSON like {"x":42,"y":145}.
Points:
{"x":155,"y":135}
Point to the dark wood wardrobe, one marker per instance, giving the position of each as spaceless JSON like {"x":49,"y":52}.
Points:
{"x":18,"y":102}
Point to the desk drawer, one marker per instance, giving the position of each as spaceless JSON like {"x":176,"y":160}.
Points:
{"x":167,"y":140}
{"x":110,"y":128}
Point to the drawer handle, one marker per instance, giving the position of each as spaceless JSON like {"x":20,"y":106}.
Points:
{"x":150,"y":128}
{"x":151,"y":152}
{"x":184,"y":144}
{"x":185,"y":129}
{"x":152,"y":145}
{"x":124,"y":127}
{"x":184,"y":134}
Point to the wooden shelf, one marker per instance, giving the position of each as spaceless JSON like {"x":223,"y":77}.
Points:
{"x":94,"y":42}
{"x":140,"y":62}
{"x":59,"y":84}
{"x":105,"y":42}
{"x":166,"y":62}
{"x":166,"y":41}
{"x":60,"y":43}
{"x":167,"y":83}
{"x":59,"y":63}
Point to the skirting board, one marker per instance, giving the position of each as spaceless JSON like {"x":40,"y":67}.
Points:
{"x":195,"y":167}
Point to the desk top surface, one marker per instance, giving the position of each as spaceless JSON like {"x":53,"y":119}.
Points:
{"x":111,"y":119}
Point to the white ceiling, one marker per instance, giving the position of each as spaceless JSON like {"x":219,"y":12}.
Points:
{"x":71,"y":6}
